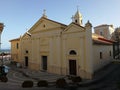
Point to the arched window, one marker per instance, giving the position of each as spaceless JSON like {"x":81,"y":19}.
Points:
{"x":76,"y":21}
{"x":101,"y":55}
{"x":72,"y":52}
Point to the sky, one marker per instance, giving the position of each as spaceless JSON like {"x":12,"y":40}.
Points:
{"x":19,"y":16}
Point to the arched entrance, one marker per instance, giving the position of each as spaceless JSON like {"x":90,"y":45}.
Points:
{"x":72,"y":63}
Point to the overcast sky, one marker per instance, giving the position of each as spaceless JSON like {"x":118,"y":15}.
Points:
{"x":20,"y":15}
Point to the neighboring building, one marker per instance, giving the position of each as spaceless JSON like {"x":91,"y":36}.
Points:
{"x":105,"y":30}
{"x":63,"y":49}
{"x":15,"y":49}
{"x":116,"y":35}
{"x":116,"y":45}
{"x":1,"y":29}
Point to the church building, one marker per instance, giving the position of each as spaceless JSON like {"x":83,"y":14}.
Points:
{"x":63,"y":49}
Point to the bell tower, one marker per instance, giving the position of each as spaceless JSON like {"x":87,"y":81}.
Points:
{"x":77,"y":18}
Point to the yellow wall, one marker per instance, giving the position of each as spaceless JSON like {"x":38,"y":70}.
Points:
{"x":55,"y":41}
{"x":15,"y":51}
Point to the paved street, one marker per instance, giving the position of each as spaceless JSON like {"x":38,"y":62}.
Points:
{"x":16,"y":78}
{"x":108,"y":82}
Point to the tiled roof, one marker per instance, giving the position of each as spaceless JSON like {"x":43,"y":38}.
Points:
{"x":97,"y":39}
{"x":15,"y":39}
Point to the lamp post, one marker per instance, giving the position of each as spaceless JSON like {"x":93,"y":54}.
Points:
{"x":1,"y":29}
{"x":118,"y":46}
{"x":117,"y":34}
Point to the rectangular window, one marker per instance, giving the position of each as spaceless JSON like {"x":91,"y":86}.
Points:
{"x":101,"y":55}
{"x":101,"y":33}
{"x":17,"y":46}
{"x":110,"y":53}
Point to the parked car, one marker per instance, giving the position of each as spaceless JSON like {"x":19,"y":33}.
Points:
{"x":4,"y":70}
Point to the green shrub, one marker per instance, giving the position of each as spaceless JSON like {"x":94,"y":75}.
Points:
{"x":69,"y":77}
{"x":42,"y":83}
{"x":13,"y":62}
{"x":3,"y":79}
{"x":61,"y":82}
{"x":27,"y":84}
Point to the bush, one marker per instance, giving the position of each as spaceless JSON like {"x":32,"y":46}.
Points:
{"x":61,"y":82}
{"x":42,"y":83}
{"x":13,"y":62}
{"x":76,"y":79}
{"x":3,"y":79}
{"x":27,"y":84}
{"x":69,"y":77}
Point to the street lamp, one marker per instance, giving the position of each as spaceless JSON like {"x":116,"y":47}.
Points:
{"x":1,"y":29}
{"x":118,"y":45}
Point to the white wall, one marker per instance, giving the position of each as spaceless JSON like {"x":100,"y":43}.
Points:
{"x":106,"y":58}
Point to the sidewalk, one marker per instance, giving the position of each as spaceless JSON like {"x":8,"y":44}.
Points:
{"x":37,"y":75}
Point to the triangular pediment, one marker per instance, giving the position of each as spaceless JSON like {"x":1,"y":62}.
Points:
{"x":74,"y":28}
{"x":45,"y":24}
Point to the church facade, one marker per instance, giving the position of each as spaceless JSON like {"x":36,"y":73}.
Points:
{"x":63,"y":49}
